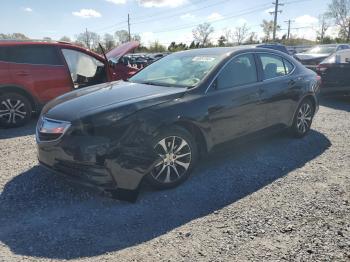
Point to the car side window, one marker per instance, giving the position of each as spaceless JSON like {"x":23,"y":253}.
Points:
{"x":85,"y":70}
{"x":272,"y":66}
{"x":35,"y":54}
{"x":239,"y":71}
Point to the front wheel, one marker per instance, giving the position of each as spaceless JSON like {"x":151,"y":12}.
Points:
{"x":177,"y":153}
{"x":303,"y":118}
{"x":15,"y":110}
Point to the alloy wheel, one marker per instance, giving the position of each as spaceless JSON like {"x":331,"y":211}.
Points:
{"x":304,"y":118}
{"x":175,"y":157}
{"x":12,"y":110}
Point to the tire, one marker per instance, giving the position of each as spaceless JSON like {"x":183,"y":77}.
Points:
{"x":15,"y":110}
{"x":303,"y":118}
{"x":173,"y":145}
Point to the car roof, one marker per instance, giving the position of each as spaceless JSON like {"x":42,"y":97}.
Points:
{"x":231,"y":50}
{"x":7,"y":43}
{"x":11,"y":42}
{"x":344,"y":51}
{"x":330,"y":45}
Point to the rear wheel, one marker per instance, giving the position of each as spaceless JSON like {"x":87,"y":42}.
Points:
{"x":177,"y":153}
{"x":303,"y":118}
{"x":15,"y":110}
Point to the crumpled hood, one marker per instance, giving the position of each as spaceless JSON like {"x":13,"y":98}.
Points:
{"x":87,"y":101}
{"x":122,"y":50}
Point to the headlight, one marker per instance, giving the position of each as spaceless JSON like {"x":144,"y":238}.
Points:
{"x":50,"y":129}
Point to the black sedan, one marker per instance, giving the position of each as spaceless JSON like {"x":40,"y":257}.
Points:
{"x":160,"y":122}
{"x":312,"y":57}
{"x":335,"y":73}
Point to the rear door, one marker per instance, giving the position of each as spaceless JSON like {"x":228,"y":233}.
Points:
{"x":41,"y":69}
{"x":234,"y":104}
{"x":279,"y":87}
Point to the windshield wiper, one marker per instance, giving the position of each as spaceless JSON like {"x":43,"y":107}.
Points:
{"x":157,"y":84}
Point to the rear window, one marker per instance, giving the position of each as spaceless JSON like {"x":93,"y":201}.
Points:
{"x":275,"y":66}
{"x":38,"y":55}
{"x":288,"y":66}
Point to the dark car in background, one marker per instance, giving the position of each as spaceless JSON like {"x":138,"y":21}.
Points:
{"x":275,"y":46}
{"x":335,"y":73}
{"x":157,"y":124}
{"x":315,"y":55}
{"x":34,"y":72}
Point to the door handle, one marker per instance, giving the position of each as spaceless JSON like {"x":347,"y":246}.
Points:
{"x":291,"y":82}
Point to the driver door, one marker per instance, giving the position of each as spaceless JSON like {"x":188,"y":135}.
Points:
{"x":235,"y":108}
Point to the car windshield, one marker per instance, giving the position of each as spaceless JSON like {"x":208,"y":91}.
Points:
{"x":321,"y":50}
{"x":183,"y":69}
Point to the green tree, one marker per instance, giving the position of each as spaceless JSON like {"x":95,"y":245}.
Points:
{"x":173,"y":47}
{"x":222,"y":41}
{"x":14,"y":36}
{"x":108,"y":42}
{"x":156,"y":47}
{"x":252,"y":39}
{"x":267,"y":27}
{"x":192,"y":45}
{"x":88,"y":39}
{"x":240,"y":33}
{"x":121,"y":36}
{"x":339,"y":11}
{"x":65,"y":39}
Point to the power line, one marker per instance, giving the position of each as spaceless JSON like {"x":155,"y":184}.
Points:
{"x":181,"y":13}
{"x":112,"y":26}
{"x":177,"y":9}
{"x":218,"y":20}
{"x":191,"y":10}
{"x":243,"y":12}
{"x":151,"y":15}
{"x":189,"y":25}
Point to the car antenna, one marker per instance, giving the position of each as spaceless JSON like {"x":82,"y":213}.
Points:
{"x":103,"y":51}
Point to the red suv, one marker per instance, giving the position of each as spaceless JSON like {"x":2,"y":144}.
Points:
{"x":32,"y":73}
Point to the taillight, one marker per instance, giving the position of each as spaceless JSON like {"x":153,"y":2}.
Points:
{"x":318,"y":81}
{"x":321,"y":68}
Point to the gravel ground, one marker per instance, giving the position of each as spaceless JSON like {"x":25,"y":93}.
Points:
{"x":272,"y":199}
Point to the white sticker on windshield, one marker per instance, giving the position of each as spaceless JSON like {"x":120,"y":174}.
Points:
{"x":203,"y":58}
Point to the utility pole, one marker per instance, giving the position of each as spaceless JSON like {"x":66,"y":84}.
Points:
{"x":289,"y":22}
{"x":87,"y":39}
{"x":129,"y":27}
{"x":276,"y":4}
